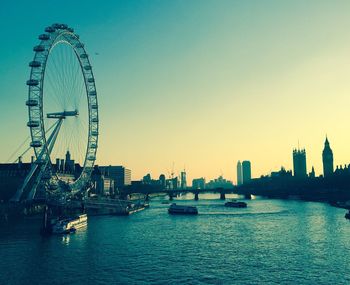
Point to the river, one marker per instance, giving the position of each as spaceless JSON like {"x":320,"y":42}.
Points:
{"x":269,"y":242}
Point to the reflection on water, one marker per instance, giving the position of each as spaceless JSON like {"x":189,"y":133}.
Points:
{"x":269,"y":242}
{"x":65,"y":239}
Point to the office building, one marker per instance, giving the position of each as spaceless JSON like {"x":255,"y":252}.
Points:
{"x":239,"y":173}
{"x":121,"y":176}
{"x":246,"y":171}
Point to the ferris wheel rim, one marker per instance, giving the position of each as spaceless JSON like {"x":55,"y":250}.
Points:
{"x":56,"y":34}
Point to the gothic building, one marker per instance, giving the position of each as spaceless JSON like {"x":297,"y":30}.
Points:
{"x":299,"y":163}
{"x":327,"y":159}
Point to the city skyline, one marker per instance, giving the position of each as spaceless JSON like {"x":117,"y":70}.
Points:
{"x":178,"y":82}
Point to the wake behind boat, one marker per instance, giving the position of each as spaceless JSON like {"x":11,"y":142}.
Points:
{"x":182,"y":210}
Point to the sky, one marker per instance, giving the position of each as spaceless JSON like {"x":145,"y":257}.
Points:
{"x":196,"y":84}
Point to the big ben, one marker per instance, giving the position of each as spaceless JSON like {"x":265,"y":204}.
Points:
{"x":327,"y":158}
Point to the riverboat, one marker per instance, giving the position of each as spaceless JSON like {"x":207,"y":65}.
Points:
{"x":236,"y":204}
{"x":182,"y":210}
{"x":69,"y":225}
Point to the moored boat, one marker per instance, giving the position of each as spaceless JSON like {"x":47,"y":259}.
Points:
{"x":182,"y":210}
{"x":347,"y":215}
{"x":236,"y":204}
{"x":69,"y":225}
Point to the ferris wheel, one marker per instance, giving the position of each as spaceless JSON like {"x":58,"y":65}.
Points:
{"x":63,"y":111}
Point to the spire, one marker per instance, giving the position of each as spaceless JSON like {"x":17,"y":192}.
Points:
{"x":326,"y":142}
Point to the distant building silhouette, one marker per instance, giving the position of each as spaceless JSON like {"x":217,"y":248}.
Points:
{"x":239,"y":173}
{"x":299,"y":163}
{"x":147,"y":179}
{"x":69,"y":163}
{"x":282,"y":173}
{"x":312,"y":173}
{"x":101,"y":185}
{"x":183,"y":180}
{"x":246,"y":171}
{"x":120,"y":175}
{"x":327,"y":159}
{"x":219,"y":182}
{"x":198,"y":183}
{"x":162,"y":181}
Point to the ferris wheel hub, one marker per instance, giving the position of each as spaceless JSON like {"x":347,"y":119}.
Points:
{"x":62,"y":115}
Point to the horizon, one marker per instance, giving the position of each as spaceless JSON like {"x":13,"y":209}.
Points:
{"x":198,"y":84}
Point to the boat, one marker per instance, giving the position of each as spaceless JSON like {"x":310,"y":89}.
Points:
{"x":165,"y":202}
{"x":182,"y":210}
{"x":69,"y":225}
{"x":236,"y":204}
{"x":347,"y":215}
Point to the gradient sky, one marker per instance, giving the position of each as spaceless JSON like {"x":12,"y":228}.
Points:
{"x":200,"y":83}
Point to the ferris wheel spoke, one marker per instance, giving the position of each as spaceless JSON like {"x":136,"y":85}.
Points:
{"x":58,"y":73}
{"x":54,"y":92}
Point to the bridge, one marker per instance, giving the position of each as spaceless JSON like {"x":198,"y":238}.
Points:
{"x":147,"y":191}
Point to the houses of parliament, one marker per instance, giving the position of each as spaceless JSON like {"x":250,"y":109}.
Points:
{"x":299,"y":163}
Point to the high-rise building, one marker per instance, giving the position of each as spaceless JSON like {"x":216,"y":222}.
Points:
{"x":239,"y":173}
{"x":299,"y":163}
{"x":183,"y":180}
{"x":327,"y":159}
{"x":246,"y":171}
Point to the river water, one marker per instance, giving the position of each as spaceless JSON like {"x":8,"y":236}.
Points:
{"x":270,"y":242}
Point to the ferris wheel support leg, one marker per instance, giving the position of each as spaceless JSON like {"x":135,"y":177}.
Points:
{"x":50,"y":142}
{"x":18,"y":195}
{"x":19,"y":192}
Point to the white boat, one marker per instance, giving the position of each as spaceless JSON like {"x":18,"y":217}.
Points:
{"x":182,"y":210}
{"x":69,"y":225}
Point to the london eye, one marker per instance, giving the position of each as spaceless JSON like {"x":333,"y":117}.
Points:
{"x":62,"y":114}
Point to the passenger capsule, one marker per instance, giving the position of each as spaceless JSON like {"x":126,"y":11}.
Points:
{"x":35,"y":63}
{"x":50,"y":29}
{"x":36,"y":144}
{"x":39,"y":48}
{"x":63,"y":26}
{"x":91,"y":80}
{"x":94,"y":106}
{"x":91,"y":158}
{"x":44,"y":37}
{"x":32,"y":103}
{"x":32,"y":82}
{"x":93,"y":145}
{"x":33,"y":124}
{"x":53,"y":186}
{"x":56,"y":26}
{"x":92,"y":93}
{"x":87,"y":67}
{"x":94,"y":120}
{"x":94,"y":133}
{"x":84,"y":55}
{"x":70,"y":30}
{"x":79,"y":45}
